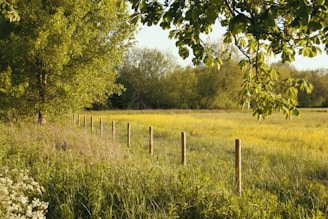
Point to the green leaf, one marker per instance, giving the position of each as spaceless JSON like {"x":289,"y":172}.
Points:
{"x":242,"y":42}
{"x":314,"y":26}
{"x":238,"y":24}
{"x":165,"y":25}
{"x":252,"y":46}
{"x":300,"y":51}
{"x":184,"y":52}
{"x":261,"y":56}
{"x":228,"y":37}
{"x":208,"y":61}
{"x":244,"y":65}
{"x":291,"y":91}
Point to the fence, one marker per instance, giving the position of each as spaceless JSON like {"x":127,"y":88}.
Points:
{"x":238,"y":178}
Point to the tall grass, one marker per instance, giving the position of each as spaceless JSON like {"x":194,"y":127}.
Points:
{"x":86,"y":176}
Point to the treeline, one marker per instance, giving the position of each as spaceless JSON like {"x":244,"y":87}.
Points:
{"x":319,"y":79}
{"x":154,"y":80}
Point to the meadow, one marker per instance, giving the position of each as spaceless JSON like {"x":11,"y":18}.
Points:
{"x":84,"y":175}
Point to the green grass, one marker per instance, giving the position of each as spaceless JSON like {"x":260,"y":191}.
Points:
{"x":284,"y":165}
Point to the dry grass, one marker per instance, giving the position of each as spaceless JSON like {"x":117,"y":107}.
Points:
{"x":64,"y":141}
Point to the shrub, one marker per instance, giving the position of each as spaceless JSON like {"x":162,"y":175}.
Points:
{"x":18,"y":197}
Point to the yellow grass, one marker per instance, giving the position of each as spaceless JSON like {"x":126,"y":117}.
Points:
{"x":306,"y":135}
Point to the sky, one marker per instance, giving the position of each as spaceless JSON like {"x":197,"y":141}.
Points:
{"x":155,"y":37}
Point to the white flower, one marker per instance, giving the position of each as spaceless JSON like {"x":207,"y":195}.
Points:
{"x":14,"y":200}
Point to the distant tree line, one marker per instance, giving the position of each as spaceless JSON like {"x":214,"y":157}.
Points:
{"x":154,"y":80}
{"x":319,"y":79}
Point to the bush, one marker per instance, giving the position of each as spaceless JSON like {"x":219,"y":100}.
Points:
{"x":18,"y":197}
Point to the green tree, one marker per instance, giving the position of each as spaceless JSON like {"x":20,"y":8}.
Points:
{"x":180,"y":89}
{"x":219,"y":88}
{"x":8,"y":10}
{"x":259,"y":29}
{"x":142,"y":76}
{"x":319,"y":97}
{"x":62,"y":55}
{"x":319,"y":79}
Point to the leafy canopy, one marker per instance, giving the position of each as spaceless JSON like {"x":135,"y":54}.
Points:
{"x":259,"y":28}
{"x":61,"y":55}
{"x":8,"y":10}
{"x":142,"y":75}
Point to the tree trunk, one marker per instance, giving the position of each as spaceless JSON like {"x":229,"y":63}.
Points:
{"x":41,"y":118}
{"x":42,"y":80}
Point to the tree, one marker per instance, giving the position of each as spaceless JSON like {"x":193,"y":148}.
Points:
{"x":142,"y":75}
{"x":62,"y":55}
{"x":319,"y":79}
{"x":259,"y":29}
{"x":8,"y":10}
{"x":180,"y":89}
{"x":219,"y":88}
{"x":319,"y":97}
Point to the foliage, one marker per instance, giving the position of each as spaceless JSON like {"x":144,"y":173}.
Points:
{"x":153,"y":80}
{"x":18,"y":195}
{"x":259,"y":29}
{"x":219,"y":88}
{"x":319,"y":79}
{"x":62,"y":55}
{"x":8,"y":10}
{"x":141,"y":75}
{"x":179,"y":90}
{"x":319,"y":96}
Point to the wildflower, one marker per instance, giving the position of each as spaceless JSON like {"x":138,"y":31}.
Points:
{"x":15,"y":200}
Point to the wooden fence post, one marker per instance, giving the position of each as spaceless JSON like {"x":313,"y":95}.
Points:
{"x":183,"y":149}
{"x":85,"y":121}
{"x":91,"y":121}
{"x":151,"y":142}
{"x":78,"y":120}
{"x":113,"y":131}
{"x":101,"y":127}
{"x":238,"y":165}
{"x":129,"y":134}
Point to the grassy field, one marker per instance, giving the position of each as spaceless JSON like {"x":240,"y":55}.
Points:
{"x":305,"y":135}
{"x":284,"y":165}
